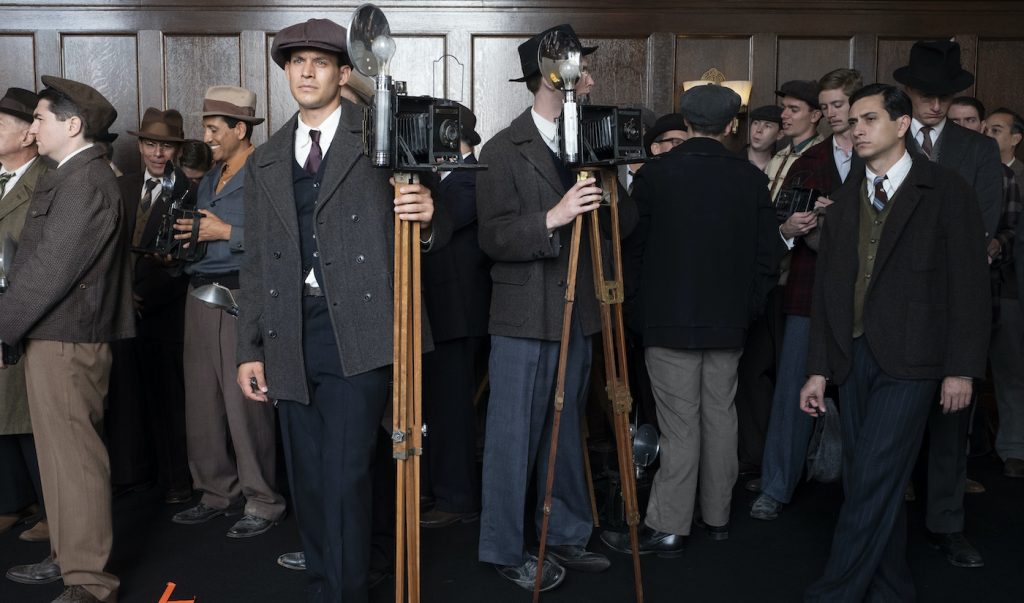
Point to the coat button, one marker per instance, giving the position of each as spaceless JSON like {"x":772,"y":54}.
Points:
{"x":367,"y":296}
{"x":316,"y":254}
{"x":360,"y":258}
{"x":81,"y":285}
{"x":272,"y":333}
{"x":277,"y":255}
{"x":355,"y":218}
{"x":561,"y":283}
{"x":273,"y":293}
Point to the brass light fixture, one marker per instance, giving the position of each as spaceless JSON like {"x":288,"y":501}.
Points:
{"x":715,"y":77}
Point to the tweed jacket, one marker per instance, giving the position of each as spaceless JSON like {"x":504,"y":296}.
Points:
{"x":354,"y":227}
{"x":514,"y":195}
{"x":926,"y":310}
{"x":13,"y":209}
{"x":71,"y":279}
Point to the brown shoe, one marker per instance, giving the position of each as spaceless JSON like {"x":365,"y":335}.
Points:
{"x":37,"y":533}
{"x":9,"y":520}
{"x":974,"y":487}
{"x":1014,"y":468}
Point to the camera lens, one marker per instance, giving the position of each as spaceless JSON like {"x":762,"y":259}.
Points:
{"x":449,"y":133}
{"x":631,"y":130}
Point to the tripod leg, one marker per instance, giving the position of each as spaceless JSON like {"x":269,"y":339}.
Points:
{"x":398,"y":412}
{"x":584,"y":435}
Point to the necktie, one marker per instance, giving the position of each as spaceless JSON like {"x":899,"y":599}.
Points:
{"x":4,"y":179}
{"x":880,"y":198}
{"x":147,"y":197}
{"x":926,"y":145}
{"x":316,"y":155}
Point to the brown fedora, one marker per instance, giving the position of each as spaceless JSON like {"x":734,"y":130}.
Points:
{"x":161,"y":126}
{"x":97,"y":112}
{"x":20,"y":103}
{"x":231,"y":101}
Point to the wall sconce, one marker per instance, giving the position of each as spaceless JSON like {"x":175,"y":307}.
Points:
{"x":716,"y":77}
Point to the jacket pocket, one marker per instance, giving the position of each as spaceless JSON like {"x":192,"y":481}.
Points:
{"x":509,"y":297}
{"x":512,"y":274}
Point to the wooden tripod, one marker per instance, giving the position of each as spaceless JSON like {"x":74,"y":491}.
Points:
{"x":613,"y":338}
{"x":407,"y":436}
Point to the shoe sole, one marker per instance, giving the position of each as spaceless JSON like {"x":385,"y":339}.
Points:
{"x":297,"y":568}
{"x":471,"y":518}
{"x":763,"y":517}
{"x":28,"y":581}
{"x":32,"y":538}
{"x":251,"y":534}
{"x":670,"y":554}
{"x":193,"y":522}
{"x":587,"y":567}
{"x":954,"y":562}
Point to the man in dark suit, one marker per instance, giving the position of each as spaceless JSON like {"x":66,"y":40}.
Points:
{"x":315,"y":329}
{"x":70,"y":295}
{"x":456,"y":297}
{"x":931,"y":79}
{"x":890,"y":321}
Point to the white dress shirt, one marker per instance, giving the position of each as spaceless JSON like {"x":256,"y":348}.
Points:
{"x":548,"y":130}
{"x":916,"y":127}
{"x":303,"y":143}
{"x":893,"y":178}
{"x":18,"y":173}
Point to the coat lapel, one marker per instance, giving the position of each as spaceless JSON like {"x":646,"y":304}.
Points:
{"x":345,"y":151}
{"x":904,"y":204}
{"x":22,"y":191}
{"x":275,"y":175}
{"x":524,"y":134}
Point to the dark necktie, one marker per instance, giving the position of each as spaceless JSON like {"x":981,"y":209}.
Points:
{"x":316,"y":156}
{"x":147,"y":197}
{"x":4,"y":179}
{"x":926,"y":145}
{"x":880,"y":198}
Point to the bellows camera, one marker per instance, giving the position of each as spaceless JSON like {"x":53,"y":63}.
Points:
{"x":423,"y":133}
{"x":609,"y":135}
{"x":795,"y":199}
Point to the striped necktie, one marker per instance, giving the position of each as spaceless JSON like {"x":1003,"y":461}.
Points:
{"x":4,"y":179}
{"x":926,"y":145}
{"x":880,"y":198}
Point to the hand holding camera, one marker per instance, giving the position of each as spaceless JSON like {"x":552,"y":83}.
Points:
{"x":584,"y":196}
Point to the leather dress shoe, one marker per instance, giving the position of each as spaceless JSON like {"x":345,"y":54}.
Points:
{"x":76,"y":594}
{"x":958,"y":550}
{"x":1014,"y":468}
{"x":175,"y":496}
{"x":436,"y":518}
{"x":202,"y":513}
{"x":293,"y":561}
{"x":650,"y":540}
{"x":37,"y":533}
{"x":765,"y":508}
{"x":577,"y":558}
{"x":753,"y":485}
{"x":714,"y":532}
{"x":44,"y":572}
{"x":974,"y":487}
{"x":10,"y":520}
{"x":525,"y":575}
{"x":249,"y":526}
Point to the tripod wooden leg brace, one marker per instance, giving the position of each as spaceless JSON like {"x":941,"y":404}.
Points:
{"x":610,"y":293}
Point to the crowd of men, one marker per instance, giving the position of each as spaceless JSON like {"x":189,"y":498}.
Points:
{"x":881,"y":298}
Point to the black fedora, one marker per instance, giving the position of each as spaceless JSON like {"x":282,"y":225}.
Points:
{"x":935,"y":69}
{"x":528,"y":51}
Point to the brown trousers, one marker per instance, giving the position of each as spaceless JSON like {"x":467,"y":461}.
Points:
{"x":231,"y":440}
{"x":67,"y":383}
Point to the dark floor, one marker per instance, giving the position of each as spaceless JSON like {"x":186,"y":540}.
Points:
{"x":762,"y":561}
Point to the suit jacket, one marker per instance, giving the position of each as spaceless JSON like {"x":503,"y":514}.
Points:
{"x":514,"y":195}
{"x":71,"y":279}
{"x":229,"y":205}
{"x":14,"y":416}
{"x":354,"y":226}
{"x":976,"y":158}
{"x":456,"y":279}
{"x":927,"y":311}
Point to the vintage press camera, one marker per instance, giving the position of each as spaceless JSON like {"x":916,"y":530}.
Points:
{"x":795,"y":199}
{"x":165,"y":244}
{"x":607,"y":136}
{"x":424,"y":133}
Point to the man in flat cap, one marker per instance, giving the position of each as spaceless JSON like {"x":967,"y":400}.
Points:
{"x":231,"y":447}
{"x":69,"y":296}
{"x":20,"y":169}
{"x":765,"y":133}
{"x":931,"y":80}
{"x":527,"y":200}
{"x":693,"y":344}
{"x":315,"y":329}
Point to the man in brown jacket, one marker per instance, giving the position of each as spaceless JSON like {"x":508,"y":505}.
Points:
{"x":69,"y":297}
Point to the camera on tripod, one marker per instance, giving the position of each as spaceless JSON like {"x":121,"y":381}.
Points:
{"x":609,"y":135}
{"x":423,"y":133}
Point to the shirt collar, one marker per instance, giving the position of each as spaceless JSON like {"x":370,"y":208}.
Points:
{"x":327,"y":130}
{"x":235,"y":164}
{"x":894,"y":177}
{"x":548,"y":130}
{"x":838,"y":150}
{"x":915,"y":128}
{"x":18,"y":173}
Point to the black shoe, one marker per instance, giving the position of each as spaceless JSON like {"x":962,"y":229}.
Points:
{"x":293,"y":561}
{"x":76,"y":594}
{"x":753,"y":485}
{"x":202,"y":513}
{"x":176,"y":496}
{"x":525,"y":575}
{"x":44,"y":572}
{"x":1014,"y":468}
{"x":650,"y":540}
{"x":435,"y":518}
{"x":249,"y":526}
{"x":765,"y":508}
{"x":577,"y":558}
{"x":714,"y":532}
{"x":958,"y":550}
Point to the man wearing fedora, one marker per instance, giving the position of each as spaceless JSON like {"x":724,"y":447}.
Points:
{"x":231,"y":447}
{"x":315,"y":327}
{"x":527,"y":200}
{"x":70,"y":295}
{"x":931,"y":80}
{"x":20,"y":169}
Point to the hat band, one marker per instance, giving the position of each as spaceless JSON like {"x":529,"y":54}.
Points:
{"x":225,"y":108}
{"x":159,"y":128}
{"x":11,"y":105}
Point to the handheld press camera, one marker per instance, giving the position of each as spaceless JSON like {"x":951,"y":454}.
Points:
{"x":795,"y":199}
{"x":164,"y":243}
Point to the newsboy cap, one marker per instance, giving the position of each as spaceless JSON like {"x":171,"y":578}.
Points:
{"x":665,"y":123}
{"x":772,"y":113}
{"x":20,"y":103}
{"x":710,"y":106}
{"x":161,"y":126}
{"x":805,"y":90}
{"x":231,"y":101}
{"x":935,"y":69}
{"x":97,"y":112}
{"x":315,"y":33}
{"x":528,"y":51}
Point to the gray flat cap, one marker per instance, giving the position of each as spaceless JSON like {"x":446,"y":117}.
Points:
{"x":709,"y":107}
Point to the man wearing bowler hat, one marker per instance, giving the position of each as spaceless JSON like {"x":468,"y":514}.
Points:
{"x":231,"y":447}
{"x":931,"y":80}
{"x":70,"y":295}
{"x":315,"y":328}
{"x":527,"y":200}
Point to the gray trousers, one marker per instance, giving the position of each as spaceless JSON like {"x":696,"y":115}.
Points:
{"x":518,"y":437}
{"x":1007,"y":356}
{"x":694,"y":391}
{"x":231,"y":440}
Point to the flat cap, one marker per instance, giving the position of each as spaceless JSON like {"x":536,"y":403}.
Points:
{"x":709,"y":106}
{"x":772,"y":113}
{"x":97,"y":112}
{"x":665,"y":123}
{"x":805,"y":90}
{"x":528,"y":51}
{"x":20,"y":103}
{"x":315,"y":33}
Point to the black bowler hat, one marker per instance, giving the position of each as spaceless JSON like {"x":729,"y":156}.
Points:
{"x":528,"y":51}
{"x":20,"y":103}
{"x":97,"y":112}
{"x":468,"y":122}
{"x":805,"y":90}
{"x":665,"y":123}
{"x":935,"y":69}
{"x":314,"y":33}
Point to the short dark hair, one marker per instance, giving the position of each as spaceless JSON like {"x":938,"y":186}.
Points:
{"x":970,"y":101}
{"x":896,"y":102}
{"x":232,"y":122}
{"x":195,"y":155}
{"x":63,"y":108}
{"x":848,"y":80}
{"x":533,"y":83}
{"x":1017,"y":127}
{"x":709,"y":130}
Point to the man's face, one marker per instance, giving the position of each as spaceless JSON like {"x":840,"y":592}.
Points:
{"x":798,"y":119}
{"x":874,"y":132}
{"x":51,"y":135}
{"x":586,"y":83}
{"x":764,"y":134}
{"x":1000,"y":127}
{"x":668,"y":141}
{"x":156,"y":155}
{"x":193,"y":175}
{"x":966,"y":116}
{"x":14,"y":134}
{"x":835,"y":107}
{"x":224,"y":142}
{"x":315,"y":78}
{"x":929,"y":109}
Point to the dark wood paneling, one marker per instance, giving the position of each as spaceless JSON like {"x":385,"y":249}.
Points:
{"x":618,"y":68}
{"x":1000,"y":77}
{"x":194,"y":63}
{"x":496,"y":101}
{"x":811,"y":58}
{"x":18,"y":68}
{"x":695,"y":55}
{"x":892,"y":54}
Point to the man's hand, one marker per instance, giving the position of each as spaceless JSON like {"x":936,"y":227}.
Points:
{"x":414,"y":204}
{"x":995,"y":249}
{"x":956,"y":394}
{"x":812,"y":396}
{"x":823,"y":202}
{"x":211,"y":228}
{"x":584,"y":196}
{"x":248,"y":374}
{"x":799,"y":224}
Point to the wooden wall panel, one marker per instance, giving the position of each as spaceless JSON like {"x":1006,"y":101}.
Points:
{"x":18,"y":68}
{"x":496,"y":101}
{"x":194,"y":63}
{"x":892,"y":54}
{"x":811,"y":58}
{"x":695,"y":55}
{"x":414,"y":64}
{"x":1000,"y":74}
{"x":618,"y":68}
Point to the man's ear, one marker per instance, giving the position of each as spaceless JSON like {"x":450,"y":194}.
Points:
{"x":344,"y":75}
{"x":74,"y":126}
